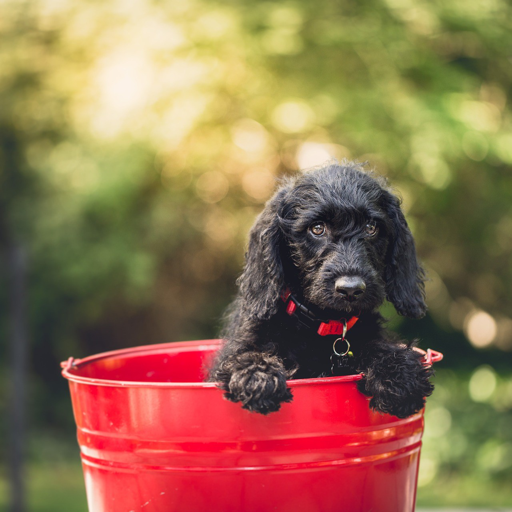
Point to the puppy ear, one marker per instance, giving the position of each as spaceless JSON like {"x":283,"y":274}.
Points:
{"x":262,"y":279}
{"x":405,"y":277}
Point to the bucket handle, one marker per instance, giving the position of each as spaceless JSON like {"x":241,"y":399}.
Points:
{"x":70,"y":364}
{"x":429,"y":356}
{"x":432,"y":356}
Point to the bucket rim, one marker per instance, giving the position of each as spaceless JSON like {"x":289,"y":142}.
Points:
{"x":75,"y":364}
{"x":430,"y":357}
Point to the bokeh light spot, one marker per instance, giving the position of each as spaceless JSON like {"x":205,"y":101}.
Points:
{"x":212,"y":186}
{"x":494,"y":455}
{"x":215,"y":24}
{"x":504,"y":148}
{"x":311,"y":154}
{"x":480,"y":115}
{"x":480,"y":328}
{"x":428,"y":471}
{"x":282,"y":41}
{"x":438,"y":422}
{"x":221,"y":228}
{"x":258,"y":184}
{"x":124,"y":79}
{"x":250,"y":136}
{"x":285,"y":16}
{"x":292,"y":116}
{"x":431,"y":170}
{"x":482,"y":384}
{"x":475,"y":145}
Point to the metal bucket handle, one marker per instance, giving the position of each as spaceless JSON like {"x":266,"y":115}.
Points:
{"x":429,"y":356}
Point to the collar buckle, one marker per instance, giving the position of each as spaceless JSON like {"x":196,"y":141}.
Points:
{"x":329,"y":328}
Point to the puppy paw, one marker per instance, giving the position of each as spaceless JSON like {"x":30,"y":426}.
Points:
{"x":397,"y":385}
{"x":392,"y":399}
{"x":259,"y":383}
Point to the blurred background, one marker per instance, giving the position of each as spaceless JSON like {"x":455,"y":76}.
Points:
{"x":138,"y":141}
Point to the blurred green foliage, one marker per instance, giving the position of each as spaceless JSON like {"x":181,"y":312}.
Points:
{"x":467,"y":447}
{"x":139,"y":139}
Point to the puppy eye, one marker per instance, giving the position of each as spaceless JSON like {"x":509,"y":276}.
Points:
{"x":371,"y":228}
{"x":318,"y":228}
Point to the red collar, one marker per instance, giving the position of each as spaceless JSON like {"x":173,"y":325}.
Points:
{"x":331,"y":327}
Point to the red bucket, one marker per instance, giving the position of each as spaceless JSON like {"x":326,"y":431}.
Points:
{"x":155,"y":438}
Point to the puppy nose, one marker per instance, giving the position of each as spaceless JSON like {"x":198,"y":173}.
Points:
{"x":350,"y":287}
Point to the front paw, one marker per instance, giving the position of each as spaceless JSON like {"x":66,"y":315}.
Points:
{"x":260,"y":384}
{"x":397,"y":389}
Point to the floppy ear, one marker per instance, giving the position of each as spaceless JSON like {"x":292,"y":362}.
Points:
{"x":405,"y":278}
{"x":262,"y":279}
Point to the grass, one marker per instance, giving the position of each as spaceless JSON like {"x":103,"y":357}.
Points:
{"x":51,"y":488}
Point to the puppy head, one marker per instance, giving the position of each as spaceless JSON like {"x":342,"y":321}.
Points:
{"x":338,"y":238}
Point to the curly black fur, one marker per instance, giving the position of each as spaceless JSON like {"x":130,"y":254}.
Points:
{"x":264,"y":346}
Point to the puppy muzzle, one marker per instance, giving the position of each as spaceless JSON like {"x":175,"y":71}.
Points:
{"x":350,"y":288}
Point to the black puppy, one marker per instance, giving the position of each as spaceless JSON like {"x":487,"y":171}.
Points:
{"x":329,"y":247}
